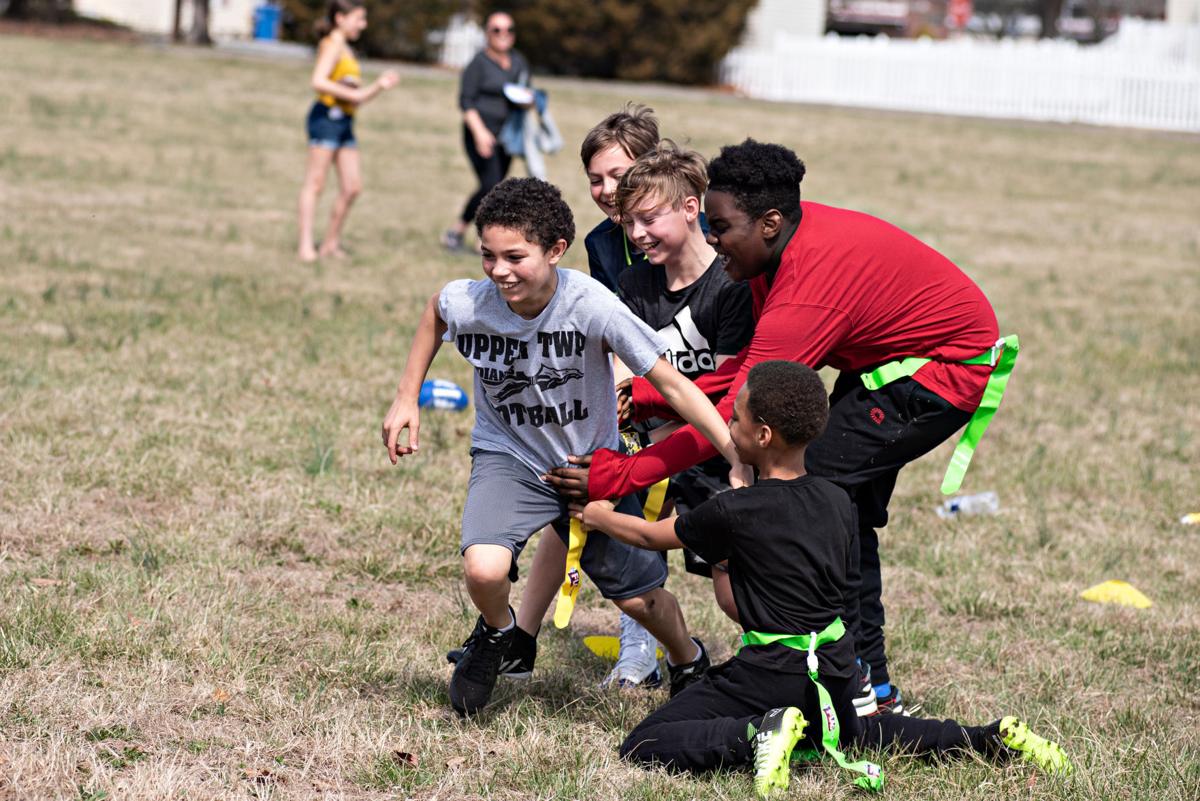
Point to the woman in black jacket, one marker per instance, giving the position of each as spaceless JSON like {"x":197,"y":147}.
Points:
{"x":485,"y":107}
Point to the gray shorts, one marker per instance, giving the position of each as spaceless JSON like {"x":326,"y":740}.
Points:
{"x":507,"y":504}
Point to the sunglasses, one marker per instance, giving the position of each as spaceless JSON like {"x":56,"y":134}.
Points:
{"x":500,"y":30}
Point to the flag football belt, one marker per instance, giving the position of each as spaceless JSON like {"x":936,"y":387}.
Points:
{"x":1000,"y":357}
{"x":871,"y":777}
{"x":577,"y":538}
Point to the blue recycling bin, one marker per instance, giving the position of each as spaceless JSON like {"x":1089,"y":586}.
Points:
{"x":266,"y":21}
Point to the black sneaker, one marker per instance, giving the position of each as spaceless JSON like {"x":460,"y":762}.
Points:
{"x":517,"y":663}
{"x":475,"y":674}
{"x":692,"y":672}
{"x":452,"y":241}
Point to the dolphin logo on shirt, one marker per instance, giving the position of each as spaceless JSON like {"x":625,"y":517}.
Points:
{"x":503,"y":386}
{"x":551,"y":377}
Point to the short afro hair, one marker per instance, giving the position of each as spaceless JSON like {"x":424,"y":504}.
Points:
{"x":530,"y":206}
{"x":760,"y":177}
{"x":790,"y":398}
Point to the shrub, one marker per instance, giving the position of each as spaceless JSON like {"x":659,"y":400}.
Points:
{"x":396,"y":28}
{"x":680,"y":41}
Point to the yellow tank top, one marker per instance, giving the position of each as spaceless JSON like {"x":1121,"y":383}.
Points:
{"x":346,"y":71}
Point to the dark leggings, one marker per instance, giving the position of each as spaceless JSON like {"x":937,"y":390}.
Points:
{"x":704,"y":727}
{"x":491,"y":171}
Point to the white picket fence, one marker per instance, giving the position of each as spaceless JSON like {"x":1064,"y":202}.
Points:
{"x":1147,"y":76}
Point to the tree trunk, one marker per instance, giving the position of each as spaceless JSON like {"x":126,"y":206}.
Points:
{"x":1050,"y":10}
{"x":177,"y":23}
{"x":198,"y":35}
{"x":17,"y":9}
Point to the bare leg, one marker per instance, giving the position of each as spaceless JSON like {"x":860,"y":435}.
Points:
{"x":319,"y":159}
{"x":485,"y":568}
{"x":659,"y":613}
{"x":545,"y":577}
{"x":350,"y":187}
{"x":724,"y":591}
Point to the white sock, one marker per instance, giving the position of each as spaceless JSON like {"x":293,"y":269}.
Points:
{"x":693,"y":659}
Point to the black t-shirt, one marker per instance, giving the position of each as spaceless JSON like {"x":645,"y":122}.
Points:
{"x":713,"y":316}
{"x":792,"y":548}
{"x":483,"y":83}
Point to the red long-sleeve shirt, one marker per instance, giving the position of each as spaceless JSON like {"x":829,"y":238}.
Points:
{"x":851,"y":292}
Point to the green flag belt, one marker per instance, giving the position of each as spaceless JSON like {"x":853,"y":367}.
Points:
{"x":1000,"y":357}
{"x":871,"y":777}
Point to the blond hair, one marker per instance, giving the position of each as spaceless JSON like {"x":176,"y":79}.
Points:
{"x":667,"y":174}
{"x":634,"y":129}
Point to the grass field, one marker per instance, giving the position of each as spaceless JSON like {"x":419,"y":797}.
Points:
{"x":214,"y":585}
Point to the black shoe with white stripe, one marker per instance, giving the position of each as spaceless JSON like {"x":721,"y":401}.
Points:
{"x":517,"y":663}
{"x":684,"y":675}
{"x":475,"y":674}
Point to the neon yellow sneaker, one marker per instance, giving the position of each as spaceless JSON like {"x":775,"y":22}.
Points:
{"x":1045,"y":754}
{"x":781,"y":729}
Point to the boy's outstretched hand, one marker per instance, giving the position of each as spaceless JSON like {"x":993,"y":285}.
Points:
{"x":404,"y":414}
{"x":571,"y":482}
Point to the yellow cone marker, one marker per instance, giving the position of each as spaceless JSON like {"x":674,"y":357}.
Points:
{"x":1116,"y":592}
{"x":570,"y":586}
{"x":607,"y":647}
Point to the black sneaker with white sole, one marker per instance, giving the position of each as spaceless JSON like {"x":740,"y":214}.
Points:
{"x":690,"y":673}
{"x":518,"y":662}
{"x":475,"y":674}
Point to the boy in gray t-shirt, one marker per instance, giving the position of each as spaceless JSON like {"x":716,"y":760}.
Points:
{"x":539,"y":338}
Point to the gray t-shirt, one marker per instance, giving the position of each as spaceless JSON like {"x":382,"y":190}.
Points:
{"x":544,"y":387}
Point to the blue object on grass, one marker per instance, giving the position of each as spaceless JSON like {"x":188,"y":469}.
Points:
{"x":266,"y":21}
{"x":440,"y":394}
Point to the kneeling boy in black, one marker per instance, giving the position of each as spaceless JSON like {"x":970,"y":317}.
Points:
{"x":791,"y":541}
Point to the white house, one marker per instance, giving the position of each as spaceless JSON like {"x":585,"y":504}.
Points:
{"x":1183,"y":12}
{"x":227,"y":19}
{"x":794,"y":18}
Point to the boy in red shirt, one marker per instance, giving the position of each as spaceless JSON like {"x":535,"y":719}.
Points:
{"x":840,"y":288}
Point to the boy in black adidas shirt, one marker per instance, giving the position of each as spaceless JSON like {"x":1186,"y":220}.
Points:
{"x":790,"y":542}
{"x":683,"y":293}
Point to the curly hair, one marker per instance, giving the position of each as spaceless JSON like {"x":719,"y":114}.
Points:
{"x":666,"y":174}
{"x":531,"y":206}
{"x":790,"y":398}
{"x":633,"y":128}
{"x":760,"y":177}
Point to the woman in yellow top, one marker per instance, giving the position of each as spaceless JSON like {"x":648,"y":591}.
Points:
{"x":337,"y":80}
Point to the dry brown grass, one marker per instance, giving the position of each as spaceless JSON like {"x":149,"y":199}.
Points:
{"x":214,"y":586}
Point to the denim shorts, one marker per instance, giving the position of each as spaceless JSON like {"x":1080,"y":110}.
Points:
{"x":507,"y":504}
{"x":330,"y":127}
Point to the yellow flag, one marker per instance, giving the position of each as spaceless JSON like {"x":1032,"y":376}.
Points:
{"x":570,"y":586}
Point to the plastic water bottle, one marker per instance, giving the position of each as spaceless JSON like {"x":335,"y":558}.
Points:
{"x":983,"y":503}
{"x":440,"y":394}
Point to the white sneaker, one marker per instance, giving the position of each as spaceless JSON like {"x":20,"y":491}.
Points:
{"x":637,"y":660}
